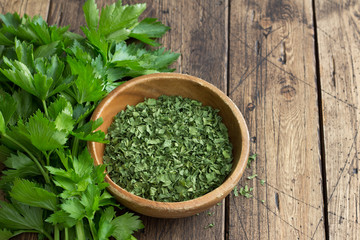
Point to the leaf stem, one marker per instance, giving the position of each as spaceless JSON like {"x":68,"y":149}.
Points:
{"x":46,"y":177}
{"x":92,"y":229}
{"x":56,"y":232}
{"x":45,"y":108}
{"x":66,"y":233}
{"x":80,"y":230}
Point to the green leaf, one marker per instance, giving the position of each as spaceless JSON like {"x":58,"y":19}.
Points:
{"x":20,"y":75}
{"x":31,"y":194}
{"x":19,"y":166}
{"x":61,"y":217}
{"x":117,"y":16}
{"x":83,"y":164}
{"x":147,"y":29}
{"x":47,"y":50}
{"x":24,"y":52}
{"x":42,"y":85}
{"x":2,"y":124}
{"x":5,"y":234}
{"x":26,"y":105}
{"x":86,"y":132}
{"x":43,"y":133}
{"x":74,"y":208}
{"x":125,"y":225}
{"x":106,"y":229}
{"x":62,"y":112}
{"x":7,"y":106}
{"x":91,"y":14}
{"x":5,"y":41}
{"x":20,"y":217}
{"x":87,"y":87}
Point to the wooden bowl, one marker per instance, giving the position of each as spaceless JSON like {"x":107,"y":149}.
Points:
{"x":152,"y":86}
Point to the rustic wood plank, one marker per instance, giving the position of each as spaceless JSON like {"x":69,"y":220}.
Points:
{"x":338,"y":24}
{"x":30,"y":7}
{"x":273,"y":81}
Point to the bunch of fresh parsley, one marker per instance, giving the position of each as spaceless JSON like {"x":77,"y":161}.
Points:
{"x":50,"y":82}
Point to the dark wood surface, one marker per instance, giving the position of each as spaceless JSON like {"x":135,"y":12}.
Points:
{"x":292,"y":68}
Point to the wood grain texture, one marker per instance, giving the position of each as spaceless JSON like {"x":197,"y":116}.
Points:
{"x":338,"y":24}
{"x":30,"y":7}
{"x":273,"y":81}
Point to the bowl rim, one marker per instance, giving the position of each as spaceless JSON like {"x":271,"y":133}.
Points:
{"x":208,"y":199}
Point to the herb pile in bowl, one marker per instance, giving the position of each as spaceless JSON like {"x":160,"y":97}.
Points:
{"x":169,"y":149}
{"x":51,"y":81}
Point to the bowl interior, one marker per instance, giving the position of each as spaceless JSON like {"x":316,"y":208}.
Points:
{"x":155,"y":85}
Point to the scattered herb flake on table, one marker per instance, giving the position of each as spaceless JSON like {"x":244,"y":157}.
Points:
{"x":171,"y":149}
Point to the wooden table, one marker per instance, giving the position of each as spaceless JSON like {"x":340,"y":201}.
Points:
{"x":293,"y":69}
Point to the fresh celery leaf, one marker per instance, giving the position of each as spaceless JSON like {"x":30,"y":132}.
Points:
{"x":87,"y":87}
{"x":74,"y":208}
{"x":83,"y":164}
{"x":91,"y":13}
{"x":26,"y":105}
{"x":10,"y":19}
{"x":61,"y":217}
{"x":117,"y":16}
{"x":62,"y":112}
{"x":33,"y":195}
{"x":20,"y":166}
{"x":7,"y":106}
{"x":5,"y":234}
{"x":20,"y":75}
{"x":79,"y":51}
{"x":2,"y":124}
{"x":147,"y":29}
{"x":125,"y":225}
{"x":4,"y":153}
{"x":5,"y":41}
{"x":86,"y":132}
{"x":90,"y":200}
{"x":43,"y":133}
{"x":97,"y":40}
{"x":119,"y":35}
{"x":106,"y":229}
{"x":24,"y":52}
{"x":81,"y":112}
{"x":20,"y":217}
{"x":47,"y":50}
{"x":58,"y":106}
{"x":42,"y":85}
{"x":139,"y":60}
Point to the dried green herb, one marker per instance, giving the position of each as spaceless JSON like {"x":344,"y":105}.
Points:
{"x":251,"y":159}
{"x":170,"y":149}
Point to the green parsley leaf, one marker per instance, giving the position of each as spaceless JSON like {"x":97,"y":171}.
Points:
{"x":147,"y":29}
{"x":17,"y":216}
{"x":106,"y":229}
{"x":7,"y":106}
{"x":43,"y":133}
{"x":252,"y":176}
{"x":236,"y":192}
{"x":125,"y":225}
{"x":61,"y":217}
{"x":74,"y":208}
{"x":251,"y":159}
{"x":5,"y":234}
{"x":31,"y":194}
{"x":91,"y":14}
